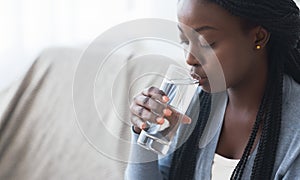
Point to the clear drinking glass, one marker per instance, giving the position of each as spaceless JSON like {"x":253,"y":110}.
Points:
{"x":180,"y":87}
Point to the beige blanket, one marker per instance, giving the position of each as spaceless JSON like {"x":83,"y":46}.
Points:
{"x":42,"y":135}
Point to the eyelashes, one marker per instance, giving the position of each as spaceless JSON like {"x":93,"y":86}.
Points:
{"x":184,"y":42}
{"x":202,"y":44}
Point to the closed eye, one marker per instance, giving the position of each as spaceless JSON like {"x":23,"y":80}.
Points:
{"x":184,"y":42}
{"x":208,"y":45}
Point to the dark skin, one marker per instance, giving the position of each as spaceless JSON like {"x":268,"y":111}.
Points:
{"x":244,"y":66}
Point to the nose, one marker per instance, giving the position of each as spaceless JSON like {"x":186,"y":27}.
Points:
{"x":191,"y":60}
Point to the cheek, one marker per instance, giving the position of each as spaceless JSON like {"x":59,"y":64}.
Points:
{"x":235,"y":62}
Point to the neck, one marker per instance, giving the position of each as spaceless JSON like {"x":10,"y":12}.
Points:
{"x":247,"y":94}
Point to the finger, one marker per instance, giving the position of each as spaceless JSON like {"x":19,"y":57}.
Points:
{"x":177,"y":116}
{"x":167,"y":112}
{"x":138,"y":123}
{"x":156,"y":93}
{"x":153,"y":105}
{"x":145,"y":114}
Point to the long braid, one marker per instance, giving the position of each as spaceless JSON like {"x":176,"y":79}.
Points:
{"x":187,"y":153}
{"x":283,"y":51}
{"x":270,"y":107}
{"x":281,"y":18}
{"x":293,"y":65}
{"x":264,"y":160}
{"x":238,"y":171}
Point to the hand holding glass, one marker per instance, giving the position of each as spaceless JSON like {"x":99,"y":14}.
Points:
{"x":180,"y":87}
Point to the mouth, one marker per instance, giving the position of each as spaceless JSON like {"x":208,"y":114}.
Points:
{"x":200,"y":78}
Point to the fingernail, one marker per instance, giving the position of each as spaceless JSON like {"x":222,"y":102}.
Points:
{"x":167,"y":112}
{"x":188,"y":120}
{"x":160,"y":120}
{"x":165,"y":98}
{"x":143,"y":126}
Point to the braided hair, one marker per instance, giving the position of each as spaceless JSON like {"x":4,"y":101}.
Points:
{"x":281,"y":18}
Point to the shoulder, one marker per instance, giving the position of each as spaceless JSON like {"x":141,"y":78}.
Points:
{"x":290,"y":121}
{"x":289,"y":145}
{"x":291,"y":96}
{"x":291,"y":101}
{"x":291,"y":91}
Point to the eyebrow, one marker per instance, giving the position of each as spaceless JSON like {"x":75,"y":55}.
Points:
{"x":199,"y":29}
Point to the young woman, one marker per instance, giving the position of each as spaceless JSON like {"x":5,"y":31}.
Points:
{"x":257,"y":45}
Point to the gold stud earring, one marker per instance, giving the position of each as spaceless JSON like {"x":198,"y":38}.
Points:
{"x":258,"y":47}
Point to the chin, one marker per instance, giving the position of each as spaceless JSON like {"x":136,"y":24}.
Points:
{"x":206,"y":88}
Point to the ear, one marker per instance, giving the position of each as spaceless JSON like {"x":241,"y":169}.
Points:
{"x":261,"y":37}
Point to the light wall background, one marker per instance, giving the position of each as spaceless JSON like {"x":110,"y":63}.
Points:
{"x":29,"y":26}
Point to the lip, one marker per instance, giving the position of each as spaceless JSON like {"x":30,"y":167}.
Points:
{"x":203,"y":81}
{"x":201,"y":77}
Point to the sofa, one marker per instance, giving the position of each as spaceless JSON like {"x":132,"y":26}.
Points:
{"x":54,"y":126}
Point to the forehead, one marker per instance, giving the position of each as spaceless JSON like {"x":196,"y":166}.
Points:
{"x":195,"y":13}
